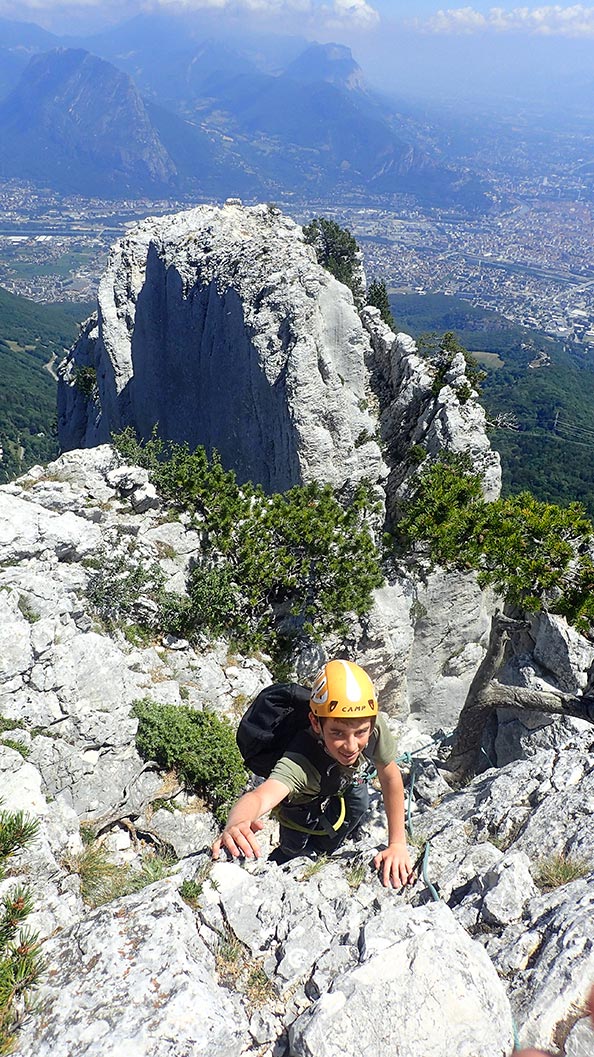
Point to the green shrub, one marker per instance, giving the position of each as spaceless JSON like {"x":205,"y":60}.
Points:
{"x":272,"y":567}
{"x":377,"y":297}
{"x":116,"y":583}
{"x":20,"y":961}
{"x":536,"y":555}
{"x":199,"y":746}
{"x":417,"y":454}
{"x":441,"y":351}
{"x":85,"y":379}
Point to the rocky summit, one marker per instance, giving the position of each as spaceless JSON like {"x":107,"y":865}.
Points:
{"x":219,"y":325}
{"x":314,"y":959}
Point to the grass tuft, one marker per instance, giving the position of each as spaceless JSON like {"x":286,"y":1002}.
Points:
{"x":560,"y":869}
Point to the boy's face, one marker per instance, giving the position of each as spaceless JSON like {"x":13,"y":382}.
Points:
{"x":344,"y":739}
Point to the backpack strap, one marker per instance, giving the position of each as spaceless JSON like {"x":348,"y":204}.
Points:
{"x":305,"y":744}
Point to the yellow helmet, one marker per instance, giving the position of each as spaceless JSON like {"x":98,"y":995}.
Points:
{"x":343,"y":690}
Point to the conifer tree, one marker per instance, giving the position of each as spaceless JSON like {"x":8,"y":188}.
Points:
{"x":20,"y":962}
{"x":377,"y":297}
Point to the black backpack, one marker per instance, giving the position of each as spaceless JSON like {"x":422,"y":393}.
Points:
{"x":267,"y":728}
{"x":275,"y":718}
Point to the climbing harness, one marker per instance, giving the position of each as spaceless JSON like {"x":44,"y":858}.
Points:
{"x":331,"y":827}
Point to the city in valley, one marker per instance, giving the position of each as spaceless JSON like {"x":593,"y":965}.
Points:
{"x":530,"y":259}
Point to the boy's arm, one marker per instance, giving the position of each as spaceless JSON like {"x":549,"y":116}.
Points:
{"x":238,"y":834}
{"x":394,"y":860}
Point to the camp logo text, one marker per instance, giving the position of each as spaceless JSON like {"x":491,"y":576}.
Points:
{"x":354,"y":709}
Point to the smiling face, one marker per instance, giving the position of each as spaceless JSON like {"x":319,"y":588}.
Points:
{"x":344,"y":739}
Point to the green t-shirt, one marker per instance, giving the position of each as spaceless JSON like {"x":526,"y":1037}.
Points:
{"x":302,"y":777}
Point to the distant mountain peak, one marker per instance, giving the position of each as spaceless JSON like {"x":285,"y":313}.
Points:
{"x":80,"y":123}
{"x":332,"y":63}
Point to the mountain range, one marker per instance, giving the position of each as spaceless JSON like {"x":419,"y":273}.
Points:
{"x":147,"y":108}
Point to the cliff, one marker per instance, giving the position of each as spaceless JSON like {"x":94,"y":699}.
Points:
{"x":219,"y":325}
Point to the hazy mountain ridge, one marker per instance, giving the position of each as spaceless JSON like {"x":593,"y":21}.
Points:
{"x":46,"y":122}
{"x":237,"y":126}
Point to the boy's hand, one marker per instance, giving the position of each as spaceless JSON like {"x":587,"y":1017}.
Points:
{"x":239,"y":840}
{"x":394,"y":865}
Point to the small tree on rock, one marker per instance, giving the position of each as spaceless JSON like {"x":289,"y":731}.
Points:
{"x":377,"y":297}
{"x":338,"y":252}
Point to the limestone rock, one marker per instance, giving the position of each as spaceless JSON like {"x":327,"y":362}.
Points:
{"x":27,"y":530}
{"x":562,"y":651}
{"x":550,"y":986}
{"x":219,"y":325}
{"x":134,"y":978}
{"x":411,"y":414}
{"x":265,"y":959}
{"x":420,"y":971}
{"x":452,"y":619}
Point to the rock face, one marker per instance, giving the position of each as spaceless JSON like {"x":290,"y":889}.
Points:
{"x":219,"y":325}
{"x":413,"y":415}
{"x":306,"y":960}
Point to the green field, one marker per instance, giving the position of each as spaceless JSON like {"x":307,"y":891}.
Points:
{"x":552,"y":452}
{"x":30,"y":336}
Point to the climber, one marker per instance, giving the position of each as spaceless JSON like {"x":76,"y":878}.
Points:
{"x":318,"y":788}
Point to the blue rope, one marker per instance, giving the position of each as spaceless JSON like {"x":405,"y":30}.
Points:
{"x":407,"y":758}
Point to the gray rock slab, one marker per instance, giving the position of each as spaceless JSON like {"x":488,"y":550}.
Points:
{"x":27,"y":529}
{"x":562,"y":652}
{"x":134,"y":978}
{"x":508,"y":887}
{"x":56,"y":900}
{"x":452,"y":619}
{"x":186,"y":832}
{"x":418,"y":970}
{"x":553,"y":978}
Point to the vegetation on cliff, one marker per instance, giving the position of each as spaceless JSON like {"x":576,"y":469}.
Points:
{"x":199,"y":746}
{"x":536,"y":555}
{"x":20,"y":961}
{"x":338,"y":252}
{"x":32,"y":337}
{"x":272,"y":568}
{"x":540,"y":384}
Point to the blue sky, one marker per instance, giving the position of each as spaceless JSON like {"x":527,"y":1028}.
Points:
{"x":404,"y":47}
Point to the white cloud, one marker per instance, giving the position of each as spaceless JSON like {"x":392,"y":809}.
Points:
{"x":357,"y":11}
{"x":308,"y":16}
{"x":340,"y":11}
{"x":575,"y":20}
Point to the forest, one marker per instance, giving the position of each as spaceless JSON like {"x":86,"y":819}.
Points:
{"x":32,"y":338}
